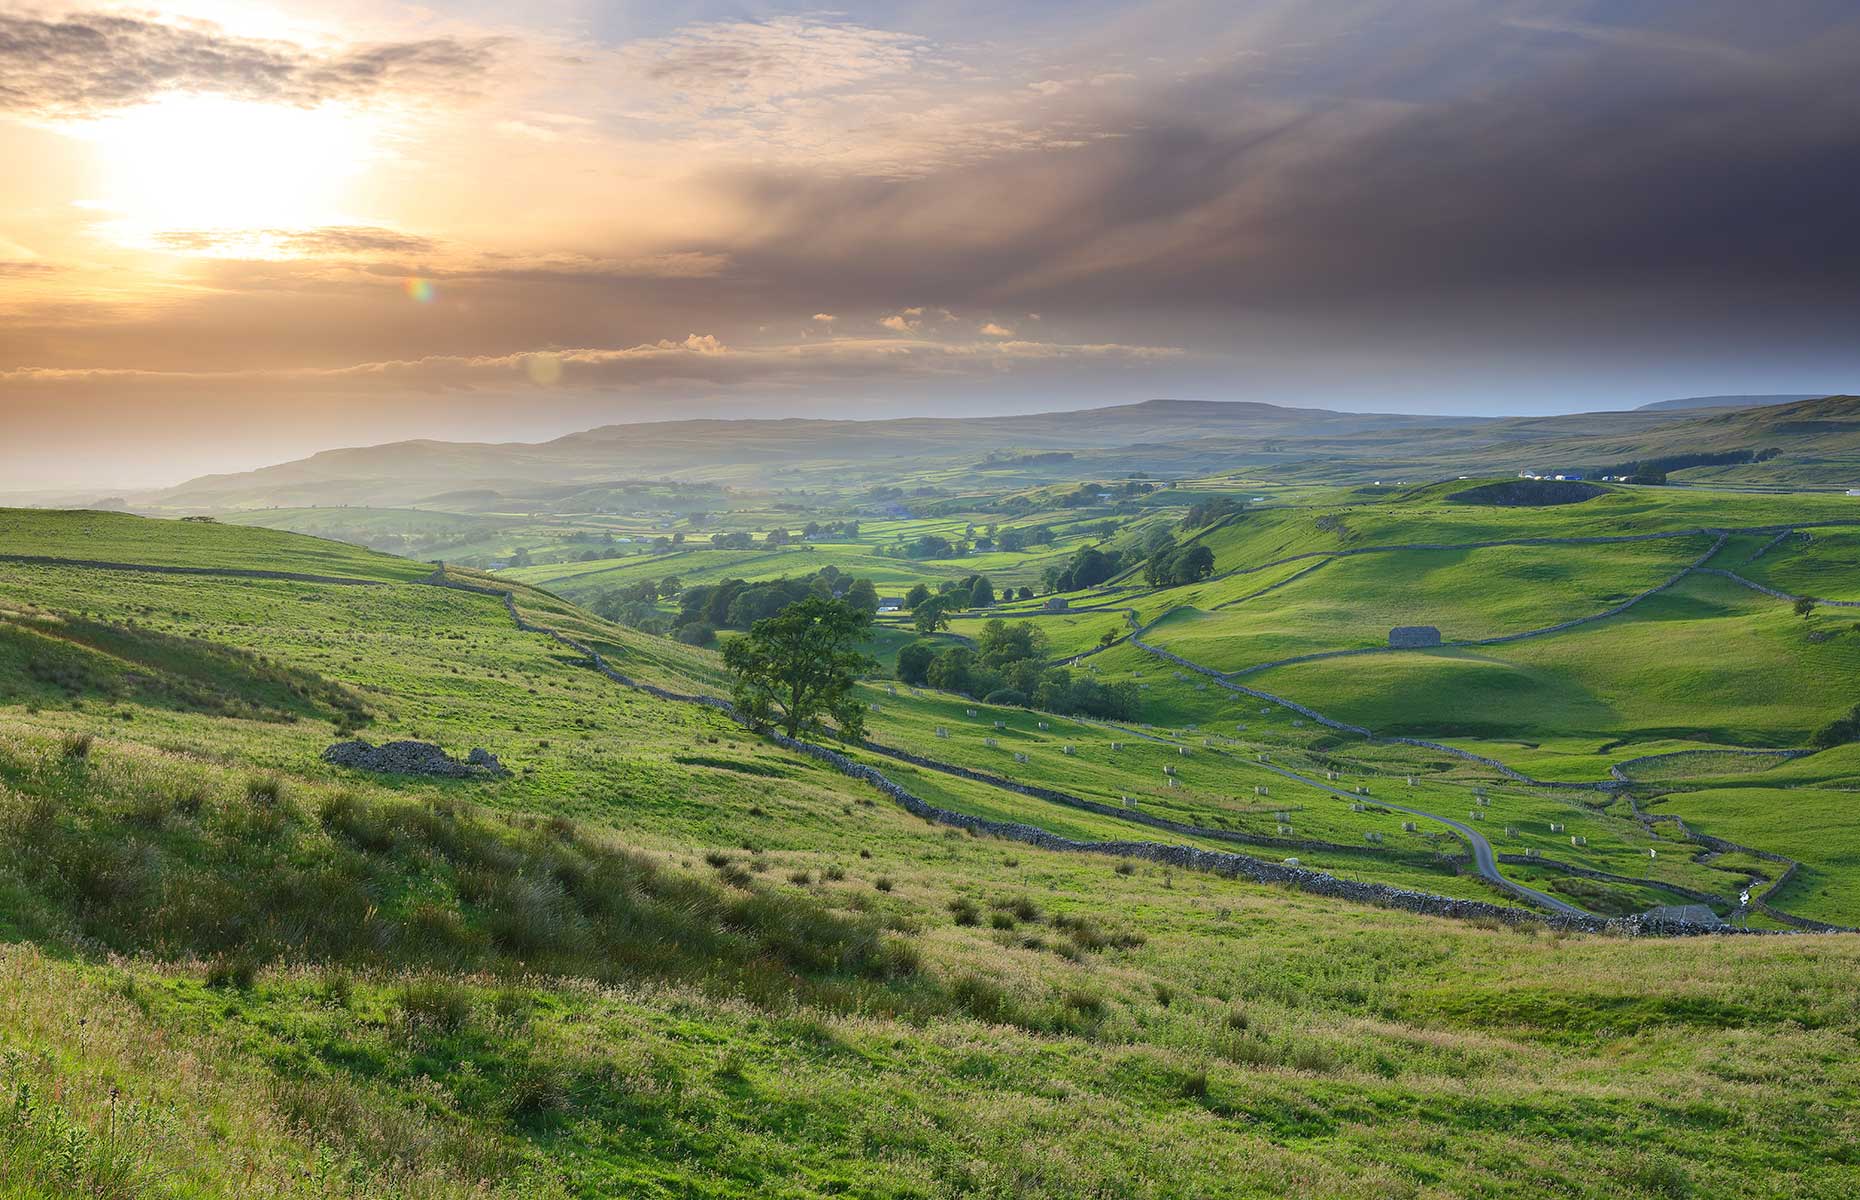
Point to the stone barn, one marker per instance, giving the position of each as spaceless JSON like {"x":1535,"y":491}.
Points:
{"x":1409,"y":637}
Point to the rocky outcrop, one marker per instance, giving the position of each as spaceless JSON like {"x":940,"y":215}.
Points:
{"x":415,"y":758}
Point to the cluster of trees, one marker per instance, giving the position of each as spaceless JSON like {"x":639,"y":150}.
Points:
{"x":1088,"y":567}
{"x":930,"y":610}
{"x":1087,"y":494}
{"x":739,"y":604}
{"x":1212,"y":511}
{"x":636,"y":604}
{"x":1007,"y":666}
{"x":847,"y":530}
{"x":1654,"y":470}
{"x":1178,"y":565}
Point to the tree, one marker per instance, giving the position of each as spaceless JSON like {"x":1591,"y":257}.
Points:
{"x":1026,"y":593}
{"x":914,"y":661}
{"x":799,"y":666}
{"x":931,"y":615}
{"x":981,"y":592}
{"x":669,"y":586}
{"x":1108,"y":636}
{"x":1191,"y":564}
{"x":1804,"y":606}
{"x":521,"y":558}
{"x":917,"y":595}
{"x":863,"y":596}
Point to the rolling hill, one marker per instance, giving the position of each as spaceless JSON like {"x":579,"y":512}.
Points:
{"x":1050,"y":956}
{"x":1819,"y":439}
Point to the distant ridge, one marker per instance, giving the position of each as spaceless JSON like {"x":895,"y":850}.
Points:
{"x":1729,"y":401}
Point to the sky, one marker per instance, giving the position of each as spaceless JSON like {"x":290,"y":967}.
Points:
{"x":233,"y":233}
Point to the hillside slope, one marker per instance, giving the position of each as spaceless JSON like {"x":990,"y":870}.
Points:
{"x":667,"y":957}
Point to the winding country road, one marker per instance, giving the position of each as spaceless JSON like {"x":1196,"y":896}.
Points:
{"x":1484,"y":861}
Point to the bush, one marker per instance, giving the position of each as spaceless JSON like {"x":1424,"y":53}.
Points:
{"x":965,"y":911}
{"x":236,"y":971}
{"x":75,"y":747}
{"x":980,"y":998}
{"x":1022,"y":907}
{"x":1007,"y":697}
{"x":434,"y":1006}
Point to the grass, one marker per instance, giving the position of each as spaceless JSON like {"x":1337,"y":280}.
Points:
{"x":1813,"y":825}
{"x":1353,"y":602}
{"x":1705,"y":661}
{"x":605,"y":976}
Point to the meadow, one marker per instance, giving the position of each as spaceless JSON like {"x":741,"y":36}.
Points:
{"x":665,"y":957}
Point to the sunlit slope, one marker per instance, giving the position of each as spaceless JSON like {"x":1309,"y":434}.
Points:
{"x":1705,"y":659}
{"x":664,"y":957}
{"x":1353,"y":602}
{"x":1423,"y":515}
{"x":118,"y":537}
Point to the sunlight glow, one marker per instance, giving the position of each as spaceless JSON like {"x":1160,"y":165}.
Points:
{"x":208,"y":164}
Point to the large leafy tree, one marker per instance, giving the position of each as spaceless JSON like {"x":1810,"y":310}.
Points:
{"x":932,"y":615}
{"x":798,"y":667}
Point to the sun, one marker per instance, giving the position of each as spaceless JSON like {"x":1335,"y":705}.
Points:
{"x":210,"y":164}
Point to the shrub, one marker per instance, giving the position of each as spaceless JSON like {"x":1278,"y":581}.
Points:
{"x":1839,"y":731}
{"x":264,"y":789}
{"x":1022,"y":907}
{"x":882,"y":883}
{"x":537,"y":1090}
{"x":434,"y":1006}
{"x":236,"y":971}
{"x":965,"y":911}
{"x":981,"y":998}
{"x":75,"y":747}
{"x":801,"y":878}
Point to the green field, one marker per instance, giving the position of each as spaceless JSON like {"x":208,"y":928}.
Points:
{"x":664,"y":957}
{"x":1353,"y":602}
{"x":1707,"y":660}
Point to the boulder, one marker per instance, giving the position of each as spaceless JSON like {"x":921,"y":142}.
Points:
{"x":415,"y":758}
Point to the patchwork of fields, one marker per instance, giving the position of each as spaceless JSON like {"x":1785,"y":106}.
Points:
{"x":662,"y":922}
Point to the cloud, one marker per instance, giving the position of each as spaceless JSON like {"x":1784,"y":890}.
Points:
{"x":333,"y":240}
{"x":900,"y":323}
{"x":695,"y":359}
{"x":86,"y":64}
{"x":746,"y":64}
{"x":993,"y":330}
{"x":825,"y":318}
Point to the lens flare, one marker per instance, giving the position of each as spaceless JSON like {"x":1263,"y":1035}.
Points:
{"x":544,"y":369}
{"x":421,"y":290}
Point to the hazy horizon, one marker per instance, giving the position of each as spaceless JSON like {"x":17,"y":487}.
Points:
{"x":255,"y":231}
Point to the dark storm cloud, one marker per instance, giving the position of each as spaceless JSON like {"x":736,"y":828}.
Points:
{"x":88,"y":63}
{"x":1701,"y":145}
